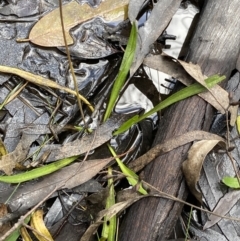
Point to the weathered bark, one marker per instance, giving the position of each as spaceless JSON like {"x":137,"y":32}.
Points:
{"x":215,"y":47}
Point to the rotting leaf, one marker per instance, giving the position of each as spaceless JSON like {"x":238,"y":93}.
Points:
{"x":48,"y":32}
{"x":193,"y":165}
{"x":222,"y":208}
{"x":109,"y":228}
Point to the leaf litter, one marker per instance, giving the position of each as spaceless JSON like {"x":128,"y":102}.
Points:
{"x":169,"y":142}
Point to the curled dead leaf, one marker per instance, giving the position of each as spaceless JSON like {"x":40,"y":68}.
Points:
{"x":193,"y":165}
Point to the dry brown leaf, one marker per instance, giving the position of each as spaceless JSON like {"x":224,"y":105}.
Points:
{"x":167,"y":65}
{"x":139,"y":163}
{"x":193,"y":165}
{"x":195,"y":71}
{"x":48,"y":31}
{"x":233,"y":109}
{"x":41,"y":81}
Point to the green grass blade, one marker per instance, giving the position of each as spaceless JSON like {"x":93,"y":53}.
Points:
{"x":109,"y":228}
{"x":123,"y":71}
{"x":131,"y":176}
{"x":182,"y":94}
{"x":38,"y":172}
{"x":16,"y":233}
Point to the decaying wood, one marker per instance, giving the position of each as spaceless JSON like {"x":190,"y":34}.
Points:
{"x":215,"y":47}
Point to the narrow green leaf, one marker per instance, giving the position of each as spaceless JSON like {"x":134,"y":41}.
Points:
{"x":16,"y":233}
{"x":109,"y":228}
{"x":231,"y":182}
{"x":123,"y":71}
{"x":38,"y":172}
{"x":182,"y":94}
{"x":131,"y":176}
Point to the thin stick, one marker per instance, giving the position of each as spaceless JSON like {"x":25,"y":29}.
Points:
{"x":70,"y":64}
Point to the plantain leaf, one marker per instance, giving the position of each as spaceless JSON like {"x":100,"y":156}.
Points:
{"x":48,"y":31}
{"x":123,"y":71}
{"x":182,"y":94}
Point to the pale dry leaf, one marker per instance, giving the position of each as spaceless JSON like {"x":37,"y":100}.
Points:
{"x":223,"y":207}
{"x":41,"y":81}
{"x":233,"y":109}
{"x":193,"y":165}
{"x":195,"y":71}
{"x":109,"y":213}
{"x":167,"y":65}
{"x":48,"y":30}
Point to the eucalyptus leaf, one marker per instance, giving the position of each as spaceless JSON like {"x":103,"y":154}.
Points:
{"x":48,"y":31}
{"x":182,"y":94}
